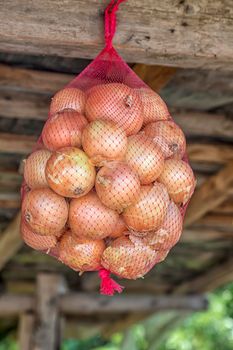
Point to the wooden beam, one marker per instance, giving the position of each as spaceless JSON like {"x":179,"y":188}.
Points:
{"x":210,"y":194}
{"x":213,"y":278}
{"x":210,"y":153}
{"x":154,"y":32}
{"x":26,"y":328}
{"x":91,"y":303}
{"x":217,"y":221}
{"x":225,"y":208}
{"x":203,"y":235}
{"x":154,"y":76}
{"x":10,"y":241}
{"x":14,"y":143}
{"x":49,"y":288}
{"x":29,"y":80}
{"x":10,"y":200}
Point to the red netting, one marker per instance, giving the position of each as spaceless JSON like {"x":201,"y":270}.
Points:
{"x":107,"y":186}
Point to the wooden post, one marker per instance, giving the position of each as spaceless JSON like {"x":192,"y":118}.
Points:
{"x":26,"y":326}
{"x":47,"y":333}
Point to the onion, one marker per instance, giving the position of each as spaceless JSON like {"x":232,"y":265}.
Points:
{"x":149,"y":211}
{"x":179,"y":179}
{"x":116,"y":102}
{"x":34,"y":169}
{"x":103,"y":140}
{"x":44,"y":211}
{"x":36,"y":241}
{"x":63,"y":129}
{"x":119,"y":229}
{"x":68,"y":98}
{"x":117,"y":185}
{"x":127,"y":259}
{"x":144,"y":157}
{"x":89,"y":218}
{"x":169,"y":233}
{"x":154,"y":108}
{"x":81,"y":254}
{"x":70,"y":173}
{"x":172,"y":136}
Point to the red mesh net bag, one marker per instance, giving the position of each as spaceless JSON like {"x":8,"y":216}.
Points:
{"x":108,"y":183}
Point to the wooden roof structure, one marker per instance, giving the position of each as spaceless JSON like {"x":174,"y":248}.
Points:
{"x":42,"y":47}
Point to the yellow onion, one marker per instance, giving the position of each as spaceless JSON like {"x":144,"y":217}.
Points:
{"x":116,"y":102}
{"x":90,"y":218}
{"x":169,"y":233}
{"x":103,"y":140}
{"x":149,"y":211}
{"x":70,"y":173}
{"x":44,"y":211}
{"x":144,"y":157}
{"x":127,"y":259}
{"x":81,"y":254}
{"x":63,"y":129}
{"x":34,"y":169}
{"x":179,"y":180}
{"x":154,"y":108}
{"x":36,"y":241}
{"x":117,"y":185}
{"x":119,"y":229}
{"x":68,"y":98}
{"x":168,"y":136}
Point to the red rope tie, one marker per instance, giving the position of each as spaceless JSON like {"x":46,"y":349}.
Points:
{"x":108,"y":286}
{"x":110,"y":21}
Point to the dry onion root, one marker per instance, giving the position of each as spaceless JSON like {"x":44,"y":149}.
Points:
{"x":116,"y":102}
{"x":81,"y":254}
{"x":179,"y":180}
{"x":70,"y":173}
{"x":117,"y":186}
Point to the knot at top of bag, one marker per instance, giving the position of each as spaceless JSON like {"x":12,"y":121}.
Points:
{"x":110,"y":21}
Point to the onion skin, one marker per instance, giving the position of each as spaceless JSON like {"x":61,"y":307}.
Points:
{"x":68,"y":98}
{"x":34,"y":169}
{"x":45,"y":212}
{"x":36,"y":241}
{"x":170,"y":231}
{"x":127,"y":259}
{"x":81,"y":254}
{"x":154,"y":108}
{"x":172,"y":136}
{"x":116,"y":102}
{"x":103,"y":140}
{"x":179,"y":180}
{"x":149,"y":211}
{"x":70,"y":173}
{"x":117,"y":186}
{"x":63,"y":129}
{"x":89,"y":218}
{"x":119,"y":229}
{"x":144,"y":157}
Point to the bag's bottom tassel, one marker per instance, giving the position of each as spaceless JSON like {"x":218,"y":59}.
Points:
{"x":108,"y":286}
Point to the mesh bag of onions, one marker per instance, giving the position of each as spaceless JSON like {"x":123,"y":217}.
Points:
{"x":107,"y":185}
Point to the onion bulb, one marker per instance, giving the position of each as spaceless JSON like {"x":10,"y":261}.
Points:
{"x":119,"y":229}
{"x":154,"y":108}
{"x":179,"y":180}
{"x":127,"y":259}
{"x":169,"y":233}
{"x":89,"y":218}
{"x":144,"y":157}
{"x":63,"y":129}
{"x":103,"y":140}
{"x":117,"y":185}
{"x":81,"y":254}
{"x":68,"y":98}
{"x":36,"y":241}
{"x":70,"y":173}
{"x":149,"y":211}
{"x":34,"y":169}
{"x":116,"y":102}
{"x":44,"y":211}
{"x":172,"y":135}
